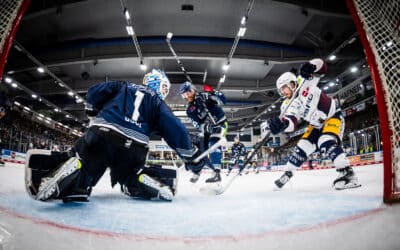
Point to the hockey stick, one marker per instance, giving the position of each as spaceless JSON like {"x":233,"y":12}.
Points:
{"x":222,"y":189}
{"x":168,"y":39}
{"x":210,"y":149}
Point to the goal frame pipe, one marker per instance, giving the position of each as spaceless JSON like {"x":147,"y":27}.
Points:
{"x":10,"y":38}
{"x":388,"y":175}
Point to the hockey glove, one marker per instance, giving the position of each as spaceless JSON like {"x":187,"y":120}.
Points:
{"x":277,"y":125}
{"x":307,"y":70}
{"x":195,"y":167}
{"x":91,"y":112}
{"x":208,"y":128}
{"x":264,"y":127}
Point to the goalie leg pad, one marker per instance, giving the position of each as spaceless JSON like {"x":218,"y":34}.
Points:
{"x":152,"y":182}
{"x":62,"y":182}
{"x":40,"y":163}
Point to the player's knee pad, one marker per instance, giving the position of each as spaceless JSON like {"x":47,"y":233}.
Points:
{"x":328,"y":146}
{"x":307,"y":146}
{"x":298,"y":157}
{"x":165,"y":176}
{"x":40,"y":163}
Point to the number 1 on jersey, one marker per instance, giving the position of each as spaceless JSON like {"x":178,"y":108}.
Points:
{"x":138,"y":101}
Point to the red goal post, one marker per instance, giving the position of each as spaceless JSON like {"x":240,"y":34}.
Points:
{"x":11,"y":13}
{"x":378,"y":26}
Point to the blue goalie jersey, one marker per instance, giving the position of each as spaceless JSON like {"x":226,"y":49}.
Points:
{"x":136,"y":111}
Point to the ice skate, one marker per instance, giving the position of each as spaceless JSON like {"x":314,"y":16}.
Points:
{"x":346,"y":179}
{"x":283,"y":179}
{"x":216,"y":177}
{"x":153,"y":186}
{"x":229,"y":172}
{"x":52,"y":185}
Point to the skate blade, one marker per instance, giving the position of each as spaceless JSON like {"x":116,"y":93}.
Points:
{"x":342,"y":186}
{"x":276,"y":188}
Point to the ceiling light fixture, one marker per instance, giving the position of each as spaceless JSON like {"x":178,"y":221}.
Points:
{"x":143,"y":66}
{"x":241,"y":31}
{"x":170,"y":35}
{"x":127,"y":15}
{"x":332,"y":57}
{"x":129,"y":29}
{"x":225,"y":67}
{"x":243,"y":21}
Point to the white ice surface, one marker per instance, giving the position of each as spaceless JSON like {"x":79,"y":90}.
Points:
{"x":306,"y":214}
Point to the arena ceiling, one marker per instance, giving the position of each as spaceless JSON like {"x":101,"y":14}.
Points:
{"x":86,"y":42}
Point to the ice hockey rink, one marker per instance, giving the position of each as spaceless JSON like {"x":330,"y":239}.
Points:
{"x":306,"y":214}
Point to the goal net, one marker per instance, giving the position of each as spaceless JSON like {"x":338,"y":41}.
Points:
{"x":11,"y":12}
{"x":378,"y":25}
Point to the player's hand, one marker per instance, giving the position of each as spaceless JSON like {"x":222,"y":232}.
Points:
{"x":190,"y":163}
{"x":277,"y":125}
{"x":91,"y":112}
{"x":264,"y":127}
{"x":208,"y":128}
{"x":307,"y":70}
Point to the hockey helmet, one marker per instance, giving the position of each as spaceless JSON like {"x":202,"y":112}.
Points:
{"x":285,"y":79}
{"x":158,"y":81}
{"x":186,"y":87}
{"x":208,"y":88}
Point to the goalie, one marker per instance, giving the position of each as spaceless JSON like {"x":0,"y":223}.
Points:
{"x":123,"y":115}
{"x":326,"y":123}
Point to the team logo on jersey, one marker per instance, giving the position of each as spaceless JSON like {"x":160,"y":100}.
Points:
{"x":192,"y":108}
{"x":305,"y":92}
{"x":308,"y":105}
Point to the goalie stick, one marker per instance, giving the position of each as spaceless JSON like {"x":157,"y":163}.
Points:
{"x":221,"y":189}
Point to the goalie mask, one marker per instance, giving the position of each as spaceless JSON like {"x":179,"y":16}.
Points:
{"x":286,"y":79}
{"x":157,"y":81}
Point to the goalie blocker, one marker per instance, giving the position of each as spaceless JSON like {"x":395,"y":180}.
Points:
{"x":62,"y":176}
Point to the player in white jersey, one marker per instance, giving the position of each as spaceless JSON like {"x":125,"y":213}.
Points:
{"x":326,"y":123}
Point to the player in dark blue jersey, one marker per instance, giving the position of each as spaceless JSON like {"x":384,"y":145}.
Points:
{"x":205,"y":111}
{"x":123,"y":116}
{"x":238,"y":154}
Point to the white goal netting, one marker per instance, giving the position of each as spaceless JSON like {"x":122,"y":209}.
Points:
{"x":378,"y":23}
{"x":10,"y":13}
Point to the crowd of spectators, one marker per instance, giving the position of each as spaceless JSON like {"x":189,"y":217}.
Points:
{"x":19,"y":133}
